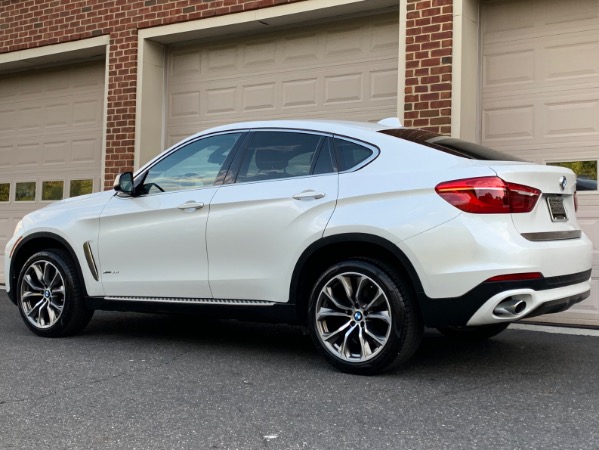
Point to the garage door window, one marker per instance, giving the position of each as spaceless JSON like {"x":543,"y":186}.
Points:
{"x":4,"y":192}
{"x":25,"y":191}
{"x":80,"y":187}
{"x":52,"y":190}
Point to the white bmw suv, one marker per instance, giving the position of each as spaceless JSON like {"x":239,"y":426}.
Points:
{"x":365,"y":233}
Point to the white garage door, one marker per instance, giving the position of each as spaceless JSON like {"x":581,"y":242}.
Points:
{"x":343,"y":70}
{"x":540,"y":98}
{"x":50,"y":139}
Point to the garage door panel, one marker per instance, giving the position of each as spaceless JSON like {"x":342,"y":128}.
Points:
{"x":64,"y":116}
{"x":343,"y":89}
{"x":50,"y":132}
{"x":545,"y":117}
{"x":541,"y":64}
{"x":261,"y":97}
{"x":540,"y":98}
{"x":572,"y":118}
{"x":340,"y":70}
{"x":513,"y":20}
{"x":572,"y":60}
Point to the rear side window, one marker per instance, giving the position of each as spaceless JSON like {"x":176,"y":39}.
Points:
{"x":351,"y":155}
{"x":456,"y":147}
{"x":273,"y":155}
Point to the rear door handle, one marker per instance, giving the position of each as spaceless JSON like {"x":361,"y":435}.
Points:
{"x":191,"y":205}
{"x":308,"y":194}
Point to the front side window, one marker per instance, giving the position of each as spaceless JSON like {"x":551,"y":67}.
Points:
{"x":193,"y":166}
{"x":274,"y":155}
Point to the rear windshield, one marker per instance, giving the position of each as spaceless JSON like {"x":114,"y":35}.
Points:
{"x":450,"y":145}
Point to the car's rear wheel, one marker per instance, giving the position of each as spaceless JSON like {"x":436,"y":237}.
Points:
{"x":362,"y":318}
{"x":50,"y":295}
{"x":478,"y":333}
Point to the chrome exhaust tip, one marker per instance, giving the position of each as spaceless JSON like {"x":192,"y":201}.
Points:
{"x":510,"y":307}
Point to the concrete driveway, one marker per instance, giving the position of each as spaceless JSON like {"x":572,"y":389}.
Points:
{"x":133,"y":381}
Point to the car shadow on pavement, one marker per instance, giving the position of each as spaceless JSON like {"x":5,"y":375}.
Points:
{"x":436,"y":351}
{"x":196,"y":329}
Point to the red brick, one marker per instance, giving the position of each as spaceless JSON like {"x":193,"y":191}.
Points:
{"x":430,"y":96}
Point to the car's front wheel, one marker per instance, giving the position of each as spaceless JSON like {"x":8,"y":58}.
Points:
{"x":362,"y":318}
{"x":50,"y":295}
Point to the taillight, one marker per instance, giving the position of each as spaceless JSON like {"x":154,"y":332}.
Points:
{"x":488,"y":195}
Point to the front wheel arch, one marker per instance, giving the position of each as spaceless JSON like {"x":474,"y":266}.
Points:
{"x":32,"y":244}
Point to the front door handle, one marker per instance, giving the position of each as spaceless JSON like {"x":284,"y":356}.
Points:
{"x":191,"y":205}
{"x":308,"y":194}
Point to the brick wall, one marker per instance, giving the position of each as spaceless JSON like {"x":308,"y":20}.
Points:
{"x":35,"y":23}
{"x":429,"y":31}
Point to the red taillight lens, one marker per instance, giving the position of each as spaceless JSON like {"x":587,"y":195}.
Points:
{"x":488,"y":195}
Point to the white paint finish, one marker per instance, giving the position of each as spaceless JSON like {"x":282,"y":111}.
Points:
{"x":540,"y":97}
{"x":137,"y":244}
{"x":74,"y":220}
{"x":54,"y":132}
{"x":340,"y":70}
{"x":257,"y":231}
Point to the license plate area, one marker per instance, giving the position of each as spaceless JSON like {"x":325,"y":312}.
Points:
{"x":556,"y":208}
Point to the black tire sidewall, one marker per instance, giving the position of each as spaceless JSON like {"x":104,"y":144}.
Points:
{"x":400,"y":318}
{"x":72,"y":292}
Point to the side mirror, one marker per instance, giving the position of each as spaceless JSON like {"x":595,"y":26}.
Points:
{"x":124,"y":183}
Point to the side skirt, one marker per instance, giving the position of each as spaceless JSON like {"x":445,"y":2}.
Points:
{"x":249,"y":310}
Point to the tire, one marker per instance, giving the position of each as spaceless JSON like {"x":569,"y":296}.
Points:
{"x":50,"y":295}
{"x":479,"y":333}
{"x":362,"y":318}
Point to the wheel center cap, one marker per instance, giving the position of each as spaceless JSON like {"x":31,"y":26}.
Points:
{"x":47,"y":294}
{"x":358,"y":316}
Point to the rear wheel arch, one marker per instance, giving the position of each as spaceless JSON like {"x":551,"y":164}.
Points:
{"x":33,"y":244}
{"x":327,"y":251}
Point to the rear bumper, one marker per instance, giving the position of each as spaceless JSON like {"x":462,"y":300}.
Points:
{"x":476,"y":307}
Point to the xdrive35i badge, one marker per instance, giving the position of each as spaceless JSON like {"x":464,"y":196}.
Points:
{"x":563,"y":182}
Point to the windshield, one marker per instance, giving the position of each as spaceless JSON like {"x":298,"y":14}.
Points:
{"x":453,"y":146}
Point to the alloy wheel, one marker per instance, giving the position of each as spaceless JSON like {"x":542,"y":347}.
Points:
{"x":353,"y":317}
{"x":42,"y":294}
